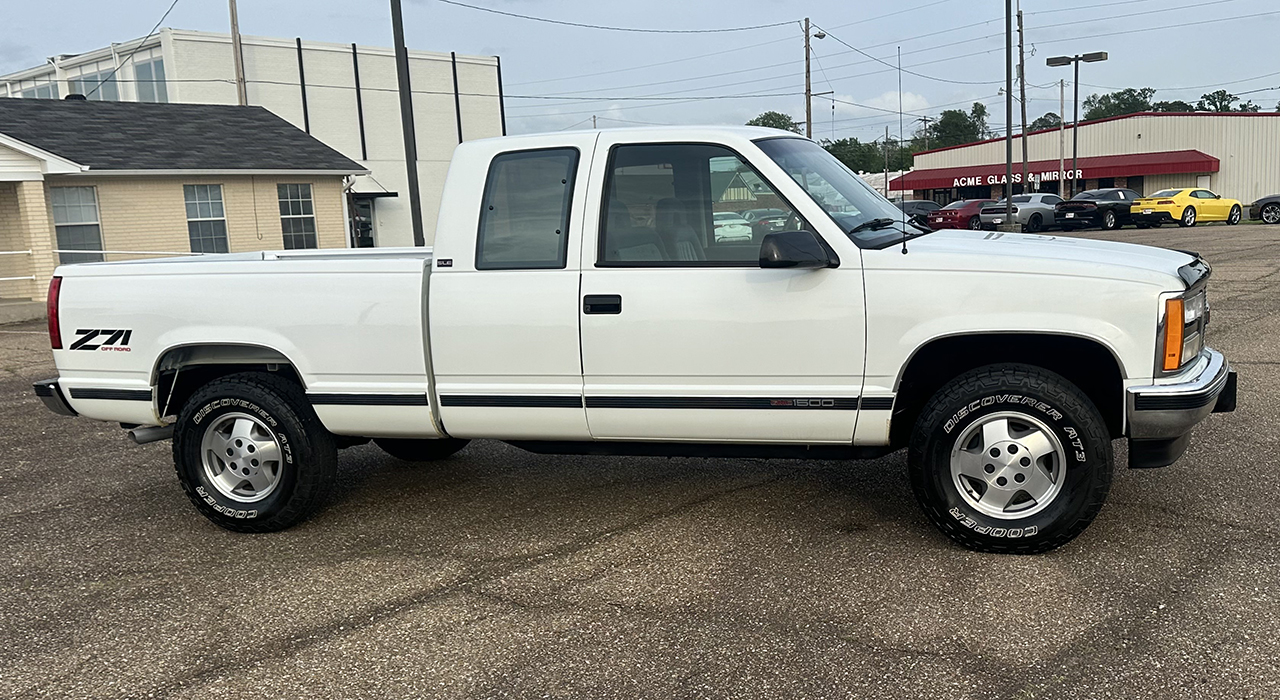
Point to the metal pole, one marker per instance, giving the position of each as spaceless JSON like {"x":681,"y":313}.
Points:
{"x":406,"y":124}
{"x":808,"y":89}
{"x":1075,"y":130}
{"x":1022,"y":90}
{"x":886,"y":162}
{"x":1062,"y":134}
{"x":242,"y":92}
{"x":593,"y":122}
{"x":1008,"y":111}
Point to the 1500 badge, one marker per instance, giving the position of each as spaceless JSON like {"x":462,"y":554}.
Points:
{"x":116,"y":340}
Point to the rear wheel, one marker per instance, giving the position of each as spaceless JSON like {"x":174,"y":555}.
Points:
{"x":251,"y":454}
{"x":1188,"y":217}
{"x":1109,"y":220}
{"x":975,"y":223}
{"x":1234,"y":217}
{"x":1010,"y":459}
{"x":420,"y":450}
{"x":1034,"y":224}
{"x":1270,"y":214}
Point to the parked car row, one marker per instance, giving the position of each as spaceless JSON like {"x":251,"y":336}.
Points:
{"x":1107,"y":208}
{"x":752,"y":224}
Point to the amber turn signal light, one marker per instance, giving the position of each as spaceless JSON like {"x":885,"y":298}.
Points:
{"x":1173,"y":323}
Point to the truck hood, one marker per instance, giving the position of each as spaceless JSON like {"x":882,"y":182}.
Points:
{"x":1047,"y":254}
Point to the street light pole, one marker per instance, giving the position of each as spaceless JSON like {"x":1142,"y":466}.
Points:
{"x":1058,"y":61}
{"x":406,"y":124}
{"x":808,"y":89}
{"x":1008,"y":112}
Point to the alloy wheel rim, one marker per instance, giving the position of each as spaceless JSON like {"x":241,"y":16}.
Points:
{"x":1271,"y":214}
{"x":1008,"y":465}
{"x":241,"y":457}
{"x":1189,"y":216}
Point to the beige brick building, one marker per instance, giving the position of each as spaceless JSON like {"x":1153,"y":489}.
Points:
{"x":91,"y":181}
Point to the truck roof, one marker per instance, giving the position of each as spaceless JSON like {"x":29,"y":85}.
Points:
{"x":648,"y":132}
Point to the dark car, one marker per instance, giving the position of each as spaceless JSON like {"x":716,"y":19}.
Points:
{"x":1267,"y":209}
{"x":918,"y":209}
{"x":1106,"y":208}
{"x":962,"y":213}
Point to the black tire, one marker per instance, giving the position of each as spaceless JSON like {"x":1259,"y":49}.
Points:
{"x":1234,"y":217}
{"x":1110,"y":221}
{"x":420,"y":450}
{"x":1021,"y":391}
{"x":1034,"y":224}
{"x":308,"y":455}
{"x":1188,"y":218}
{"x":1270,"y":214}
{"x":975,"y":223}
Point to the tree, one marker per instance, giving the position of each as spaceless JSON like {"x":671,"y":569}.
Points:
{"x":954,"y":127}
{"x":1048,"y":120}
{"x":1114,"y":104}
{"x":868,"y":157}
{"x":776,"y":120}
{"x":1173,"y":106}
{"x":1221,"y":100}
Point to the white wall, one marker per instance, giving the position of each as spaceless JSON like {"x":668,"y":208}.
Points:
{"x":271,"y":71}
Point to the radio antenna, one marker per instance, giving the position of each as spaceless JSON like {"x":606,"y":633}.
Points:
{"x":902,"y":207}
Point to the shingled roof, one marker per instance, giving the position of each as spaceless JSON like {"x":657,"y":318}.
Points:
{"x":109,"y":136}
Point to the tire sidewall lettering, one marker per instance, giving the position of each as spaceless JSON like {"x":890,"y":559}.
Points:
{"x":218,"y":503}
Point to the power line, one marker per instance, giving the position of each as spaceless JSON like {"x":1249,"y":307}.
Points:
{"x":616,"y":29}
{"x":135,"y":49}
{"x":904,"y":70}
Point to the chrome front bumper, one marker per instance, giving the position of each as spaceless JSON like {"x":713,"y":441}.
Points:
{"x":1160,"y":416}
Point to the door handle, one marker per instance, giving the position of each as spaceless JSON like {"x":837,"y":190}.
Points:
{"x":602,"y":304}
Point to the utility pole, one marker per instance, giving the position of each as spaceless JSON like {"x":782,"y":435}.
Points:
{"x":808,"y":88}
{"x":1022,"y":89}
{"x":925,"y":129}
{"x":886,"y":162}
{"x":1062,"y":133}
{"x":242,"y":92}
{"x":593,"y":122}
{"x":1008,"y":115}
{"x":406,"y":123}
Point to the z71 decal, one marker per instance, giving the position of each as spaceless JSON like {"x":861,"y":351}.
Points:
{"x":108,"y":340}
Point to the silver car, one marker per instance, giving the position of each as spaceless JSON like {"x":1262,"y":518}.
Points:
{"x":1033,"y":212}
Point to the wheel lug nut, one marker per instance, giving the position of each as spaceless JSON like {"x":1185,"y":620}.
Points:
{"x":1013,"y":449}
{"x":1019,"y":478}
{"x":990,"y":469}
{"x":230,"y":453}
{"x":1001,"y":481}
{"x":995,"y":452}
{"x":1025,"y":461}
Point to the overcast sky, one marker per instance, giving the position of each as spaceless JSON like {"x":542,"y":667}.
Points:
{"x":1181,"y":47}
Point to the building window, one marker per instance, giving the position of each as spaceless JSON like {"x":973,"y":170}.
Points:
{"x":75,"y":223}
{"x":45,"y":91}
{"x":524,"y":216}
{"x":206,"y":218}
{"x":297,"y":216}
{"x":96,"y":86}
{"x":149,"y":77}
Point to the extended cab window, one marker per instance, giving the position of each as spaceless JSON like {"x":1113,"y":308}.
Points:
{"x":686,"y":205}
{"x":524,"y":216}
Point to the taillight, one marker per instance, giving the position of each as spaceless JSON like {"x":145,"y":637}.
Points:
{"x":1166,"y":201}
{"x":55,"y":330}
{"x":1174,"y":324}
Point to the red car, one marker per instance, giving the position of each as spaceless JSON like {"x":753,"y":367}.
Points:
{"x":962,"y":213}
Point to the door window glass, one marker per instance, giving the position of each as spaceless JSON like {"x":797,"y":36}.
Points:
{"x":687,"y":205}
{"x":524,"y":216}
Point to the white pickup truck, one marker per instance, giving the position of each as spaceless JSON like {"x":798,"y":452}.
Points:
{"x":578,"y":301}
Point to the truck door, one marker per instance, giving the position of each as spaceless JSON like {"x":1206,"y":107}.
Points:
{"x":684,"y":336}
{"x":503,"y":292}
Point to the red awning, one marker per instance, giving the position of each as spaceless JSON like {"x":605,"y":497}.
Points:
{"x":1093,"y":167}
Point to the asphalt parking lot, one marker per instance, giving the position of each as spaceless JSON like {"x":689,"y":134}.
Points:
{"x":500,"y":573}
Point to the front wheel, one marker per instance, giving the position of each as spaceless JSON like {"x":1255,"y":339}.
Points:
{"x":1270,"y":214}
{"x":1234,"y":217}
{"x":251,"y":454}
{"x":1010,"y":459}
{"x":1188,"y":218}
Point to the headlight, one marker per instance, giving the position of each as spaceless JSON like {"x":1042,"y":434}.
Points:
{"x":1183,"y":329}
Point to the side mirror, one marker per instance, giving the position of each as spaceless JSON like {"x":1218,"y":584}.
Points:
{"x":796,"y":249}
{"x":1217,"y":196}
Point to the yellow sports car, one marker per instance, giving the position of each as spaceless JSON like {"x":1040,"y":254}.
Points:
{"x":1185,"y":206}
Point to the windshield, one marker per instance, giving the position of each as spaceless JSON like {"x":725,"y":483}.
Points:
{"x":843,"y":195}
